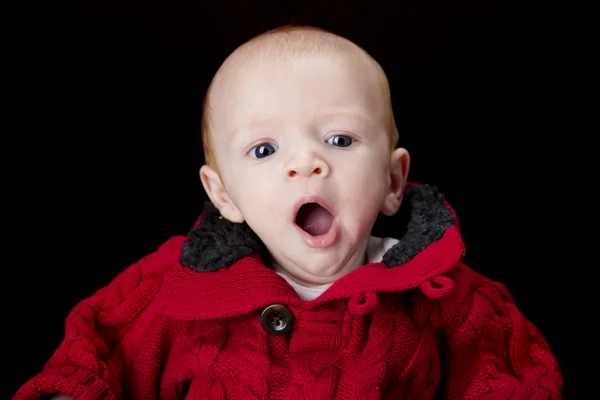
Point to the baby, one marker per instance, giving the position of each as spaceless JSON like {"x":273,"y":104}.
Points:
{"x":316,"y":271}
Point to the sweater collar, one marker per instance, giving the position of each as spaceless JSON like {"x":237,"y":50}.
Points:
{"x":221,"y":272}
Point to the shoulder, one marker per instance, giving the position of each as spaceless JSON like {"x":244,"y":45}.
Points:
{"x":130,"y":292}
{"x":472,"y":290}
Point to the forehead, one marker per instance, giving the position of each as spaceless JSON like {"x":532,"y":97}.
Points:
{"x":295,"y":87}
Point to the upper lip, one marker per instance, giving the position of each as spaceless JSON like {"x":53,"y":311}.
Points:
{"x":311,"y":199}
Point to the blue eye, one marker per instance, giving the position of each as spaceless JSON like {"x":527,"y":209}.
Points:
{"x":263,"y":150}
{"x":340,"y":141}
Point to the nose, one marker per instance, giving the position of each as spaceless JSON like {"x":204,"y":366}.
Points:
{"x":307,"y":166}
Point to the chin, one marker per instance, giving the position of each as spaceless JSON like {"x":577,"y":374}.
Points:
{"x":326,"y":267}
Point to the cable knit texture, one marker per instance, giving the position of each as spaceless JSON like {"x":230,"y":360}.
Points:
{"x":185,"y":322}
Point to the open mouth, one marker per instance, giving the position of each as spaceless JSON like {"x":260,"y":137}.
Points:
{"x":314,"y":219}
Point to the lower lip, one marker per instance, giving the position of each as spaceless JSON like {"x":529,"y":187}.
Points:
{"x":322,"y":241}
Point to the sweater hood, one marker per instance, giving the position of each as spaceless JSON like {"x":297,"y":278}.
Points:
{"x":222,"y":273}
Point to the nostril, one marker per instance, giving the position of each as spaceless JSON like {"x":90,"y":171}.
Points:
{"x":292,"y":173}
{"x":318,"y":171}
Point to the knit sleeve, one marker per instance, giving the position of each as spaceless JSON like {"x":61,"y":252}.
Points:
{"x":491,"y":350}
{"x":89,"y":363}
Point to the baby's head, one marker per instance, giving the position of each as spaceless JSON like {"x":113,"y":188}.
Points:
{"x":300,"y":143}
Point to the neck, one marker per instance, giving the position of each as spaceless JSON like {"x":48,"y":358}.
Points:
{"x":306,"y":279}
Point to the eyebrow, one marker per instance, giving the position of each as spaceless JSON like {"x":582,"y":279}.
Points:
{"x":256,"y":123}
{"x":325,"y":118}
{"x":332,"y":116}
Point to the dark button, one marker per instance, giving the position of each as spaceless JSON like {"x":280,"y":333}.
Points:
{"x":277,"y":319}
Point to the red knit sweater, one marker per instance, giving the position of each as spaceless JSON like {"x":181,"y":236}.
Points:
{"x":189,"y":321}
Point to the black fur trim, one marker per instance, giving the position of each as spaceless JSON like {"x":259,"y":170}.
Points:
{"x":218,"y":243}
{"x":423,"y":218}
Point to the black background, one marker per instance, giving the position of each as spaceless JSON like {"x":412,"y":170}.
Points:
{"x":101,"y":105}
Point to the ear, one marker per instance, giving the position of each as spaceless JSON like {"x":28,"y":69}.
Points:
{"x":218,"y":194}
{"x":399,"y":166}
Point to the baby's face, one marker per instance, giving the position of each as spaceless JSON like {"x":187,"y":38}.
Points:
{"x":308,"y":130}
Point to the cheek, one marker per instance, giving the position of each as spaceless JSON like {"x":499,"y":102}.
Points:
{"x":260,"y":183}
{"x":251,"y":182}
{"x":257,"y":195}
{"x":365,"y":186}
{"x":368,"y":177}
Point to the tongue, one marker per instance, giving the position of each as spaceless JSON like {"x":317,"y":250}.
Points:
{"x":314,"y":219}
